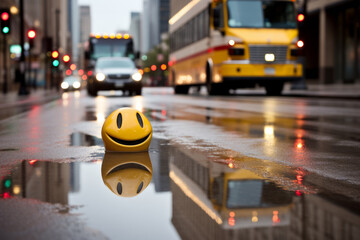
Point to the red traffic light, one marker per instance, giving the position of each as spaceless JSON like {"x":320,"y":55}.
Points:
{"x":301,"y":17}
{"x":5,"y":16}
{"x":66,"y":58}
{"x":55,"y":54}
{"x":31,"y":34}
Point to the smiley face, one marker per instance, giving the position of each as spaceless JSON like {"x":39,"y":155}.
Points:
{"x":126,"y":130}
{"x":126,"y":174}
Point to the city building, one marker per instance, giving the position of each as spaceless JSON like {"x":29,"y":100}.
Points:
{"x":154,"y":23}
{"x":135,"y":29}
{"x":84,"y":32}
{"x":74,"y":22}
{"x":50,"y":20}
{"x":332,"y":38}
{"x":85,"y":23}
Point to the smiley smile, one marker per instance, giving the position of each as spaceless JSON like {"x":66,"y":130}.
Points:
{"x":129,"y":143}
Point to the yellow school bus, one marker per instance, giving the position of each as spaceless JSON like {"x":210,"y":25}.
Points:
{"x":230,"y":44}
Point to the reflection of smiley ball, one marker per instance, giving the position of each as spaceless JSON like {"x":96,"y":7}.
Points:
{"x":126,"y":174}
{"x":126,"y":130}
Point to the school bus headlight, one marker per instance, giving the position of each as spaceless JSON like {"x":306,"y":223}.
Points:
{"x":232,"y":42}
{"x":100,"y":77}
{"x":269,"y":57}
{"x":136,"y":76}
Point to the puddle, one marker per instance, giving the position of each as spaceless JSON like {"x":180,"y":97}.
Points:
{"x":174,"y":192}
{"x":82,"y":139}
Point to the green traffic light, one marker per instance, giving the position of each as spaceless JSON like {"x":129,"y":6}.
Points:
{"x":6,"y":30}
{"x":7,"y":183}
{"x":56,"y":63}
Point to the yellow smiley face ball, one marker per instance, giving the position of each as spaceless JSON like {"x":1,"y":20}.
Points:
{"x":126,"y":130}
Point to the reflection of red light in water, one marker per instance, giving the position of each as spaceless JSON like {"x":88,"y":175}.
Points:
{"x":231,"y":221}
{"x":32,"y":162}
{"x":299,"y":179}
{"x":276,"y":218}
{"x":298,"y":193}
{"x":231,"y":165}
{"x":299,"y":144}
{"x":6,"y":195}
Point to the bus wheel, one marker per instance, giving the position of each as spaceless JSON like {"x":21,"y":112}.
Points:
{"x":274,"y":89}
{"x":181,"y":89}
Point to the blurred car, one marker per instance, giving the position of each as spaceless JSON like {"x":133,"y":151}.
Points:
{"x":115,"y":73}
{"x":71,"y":83}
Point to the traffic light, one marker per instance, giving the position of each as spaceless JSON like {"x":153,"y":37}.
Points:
{"x":66,"y":58}
{"x":5,"y":21}
{"x":300,"y":17}
{"x":6,"y":187}
{"x":55,"y":59}
{"x":31,"y":35}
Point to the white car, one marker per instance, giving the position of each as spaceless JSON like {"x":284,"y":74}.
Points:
{"x":115,"y":73}
{"x":71,"y":83}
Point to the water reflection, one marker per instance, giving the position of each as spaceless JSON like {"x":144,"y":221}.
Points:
{"x":126,"y":174}
{"x":216,"y":201}
{"x":44,"y":181}
{"x":82,"y":139}
{"x":208,"y":200}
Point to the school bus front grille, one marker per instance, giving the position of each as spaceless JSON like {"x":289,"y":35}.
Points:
{"x":258,"y":52}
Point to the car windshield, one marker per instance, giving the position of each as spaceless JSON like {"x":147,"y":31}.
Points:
{"x":111,"y":48}
{"x":261,"y":14}
{"x":71,"y":79}
{"x":114,"y":63}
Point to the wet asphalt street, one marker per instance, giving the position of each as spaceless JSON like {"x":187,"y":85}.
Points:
{"x":227,"y":167}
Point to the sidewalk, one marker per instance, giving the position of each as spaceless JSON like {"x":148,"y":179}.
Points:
{"x":39,"y":96}
{"x":350,"y":91}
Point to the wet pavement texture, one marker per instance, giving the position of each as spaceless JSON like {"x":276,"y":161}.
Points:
{"x":249,"y":167}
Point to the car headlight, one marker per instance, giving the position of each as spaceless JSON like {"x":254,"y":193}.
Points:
{"x":136,"y":76}
{"x":76,"y":84}
{"x":64,"y":85}
{"x":100,"y":77}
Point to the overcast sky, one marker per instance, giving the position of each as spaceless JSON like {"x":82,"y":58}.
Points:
{"x":108,"y":16}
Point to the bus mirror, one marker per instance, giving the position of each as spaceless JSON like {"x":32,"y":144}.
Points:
{"x":216,"y":16}
{"x":137,"y":55}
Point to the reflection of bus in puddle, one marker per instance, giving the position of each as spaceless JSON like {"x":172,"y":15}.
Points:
{"x":247,"y":200}
{"x":214,"y":200}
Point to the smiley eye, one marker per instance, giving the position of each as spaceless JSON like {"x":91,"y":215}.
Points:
{"x":119,"y":120}
{"x":140,"y":187}
{"x":119,"y":188}
{"x":139,"y":119}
